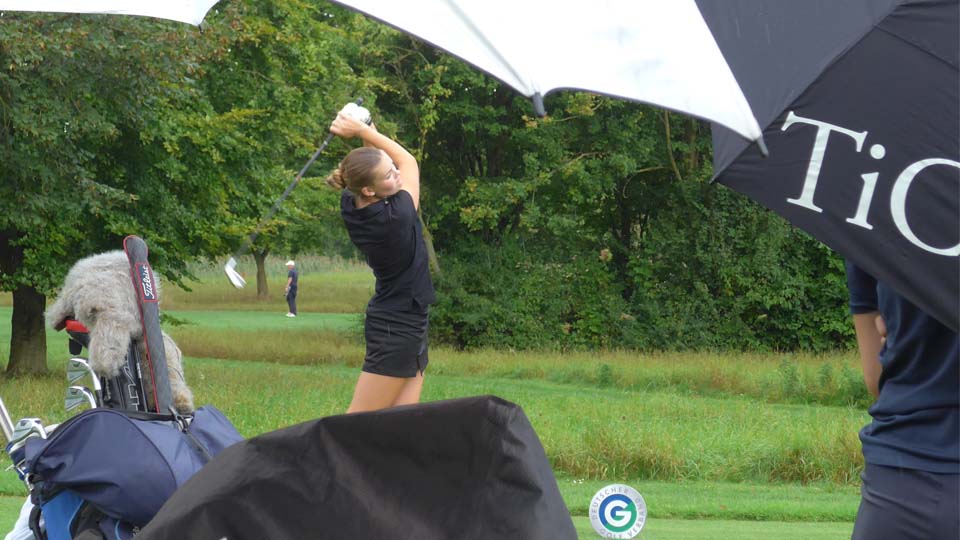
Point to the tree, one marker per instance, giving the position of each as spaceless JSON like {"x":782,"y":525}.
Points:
{"x":102,"y":134}
{"x":297,"y":55}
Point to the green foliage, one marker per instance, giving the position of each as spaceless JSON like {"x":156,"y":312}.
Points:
{"x":595,"y":227}
{"x":513,"y":296}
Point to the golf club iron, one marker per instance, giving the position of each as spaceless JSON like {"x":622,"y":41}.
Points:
{"x":6,"y":423}
{"x":77,"y":396}
{"x":78,"y":368}
{"x":25,"y":428}
{"x":231,"y":267}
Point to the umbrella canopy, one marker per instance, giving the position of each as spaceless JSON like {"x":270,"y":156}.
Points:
{"x":861,"y":97}
{"x":621,"y":48}
{"x":859,"y":103}
{"x":187,"y":11}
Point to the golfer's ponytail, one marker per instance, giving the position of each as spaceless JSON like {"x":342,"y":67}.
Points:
{"x":336,"y":181}
{"x":358,"y":170}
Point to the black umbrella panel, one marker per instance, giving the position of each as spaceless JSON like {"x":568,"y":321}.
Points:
{"x":859,"y":103}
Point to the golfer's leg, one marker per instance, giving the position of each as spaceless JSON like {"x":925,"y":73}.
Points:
{"x":375,"y":392}
{"x":410,"y":392}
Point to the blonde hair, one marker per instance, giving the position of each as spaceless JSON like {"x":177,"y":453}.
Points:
{"x":357,"y":171}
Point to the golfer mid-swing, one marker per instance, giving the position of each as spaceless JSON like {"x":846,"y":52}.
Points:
{"x":379,"y":202}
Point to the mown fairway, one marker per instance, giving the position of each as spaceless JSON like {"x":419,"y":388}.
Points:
{"x":720,"y":445}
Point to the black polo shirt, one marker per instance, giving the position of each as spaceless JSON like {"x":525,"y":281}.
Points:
{"x":390,"y":235}
{"x":916,"y":424}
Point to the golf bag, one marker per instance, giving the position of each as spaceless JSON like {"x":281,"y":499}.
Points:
{"x":105,"y":472}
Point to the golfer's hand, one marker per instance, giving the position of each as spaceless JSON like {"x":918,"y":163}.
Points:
{"x":347,"y":127}
{"x":881,"y":329}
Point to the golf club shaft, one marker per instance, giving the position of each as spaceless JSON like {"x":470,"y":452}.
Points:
{"x":6,"y":423}
{"x":276,"y":206}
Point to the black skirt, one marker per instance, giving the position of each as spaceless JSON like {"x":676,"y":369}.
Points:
{"x":396,"y":342}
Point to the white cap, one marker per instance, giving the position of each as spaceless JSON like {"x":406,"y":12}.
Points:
{"x":290,"y":263}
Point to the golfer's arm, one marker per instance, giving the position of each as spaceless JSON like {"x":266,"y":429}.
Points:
{"x":868,"y":341}
{"x":405,"y":162}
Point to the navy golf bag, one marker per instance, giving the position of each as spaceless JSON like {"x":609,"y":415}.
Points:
{"x":105,"y":472}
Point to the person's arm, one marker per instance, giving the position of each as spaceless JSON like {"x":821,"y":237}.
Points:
{"x":347,"y":127}
{"x":869,"y":341}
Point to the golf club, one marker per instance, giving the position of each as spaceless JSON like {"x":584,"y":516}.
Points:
{"x":26,"y":428}
{"x":77,"y":396}
{"x":353,"y":109}
{"x":6,"y":423}
{"x":77,"y":368}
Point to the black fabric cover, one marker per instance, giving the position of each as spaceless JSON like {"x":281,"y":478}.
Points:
{"x":460,"y":469}
{"x":891,"y":79}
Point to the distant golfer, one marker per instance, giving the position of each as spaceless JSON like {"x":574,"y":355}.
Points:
{"x":379,"y":202}
{"x":291,"y":290}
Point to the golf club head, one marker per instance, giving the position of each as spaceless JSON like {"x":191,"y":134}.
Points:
{"x":26,"y":428}
{"x":77,"y":396}
{"x":77,"y":368}
{"x":235,"y":278}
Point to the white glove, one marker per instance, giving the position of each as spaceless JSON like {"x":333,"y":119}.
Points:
{"x":358,"y":113}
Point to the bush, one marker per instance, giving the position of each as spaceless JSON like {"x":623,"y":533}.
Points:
{"x":503,"y":297}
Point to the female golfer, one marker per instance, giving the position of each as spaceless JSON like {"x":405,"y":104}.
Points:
{"x":380,"y":185}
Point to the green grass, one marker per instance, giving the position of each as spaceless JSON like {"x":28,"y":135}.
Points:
{"x":588,"y":432}
{"x":675,"y":529}
{"x":721,"y":445}
{"x":325,"y":286}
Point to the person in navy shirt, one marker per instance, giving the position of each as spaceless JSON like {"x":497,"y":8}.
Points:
{"x":911,"y":448}
{"x":291,"y":290}
{"x":380,"y":197}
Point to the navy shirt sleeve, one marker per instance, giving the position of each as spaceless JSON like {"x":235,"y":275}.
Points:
{"x":863,"y":290}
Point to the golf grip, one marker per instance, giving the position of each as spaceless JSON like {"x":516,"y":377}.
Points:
{"x":276,"y":206}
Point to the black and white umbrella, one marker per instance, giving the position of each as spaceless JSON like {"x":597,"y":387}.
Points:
{"x":858,"y":100}
{"x":859,"y":103}
{"x":654,"y":51}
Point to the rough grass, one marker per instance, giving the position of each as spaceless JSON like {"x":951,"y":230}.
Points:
{"x":588,"y":432}
{"x":326,"y":286}
{"x":710,"y":439}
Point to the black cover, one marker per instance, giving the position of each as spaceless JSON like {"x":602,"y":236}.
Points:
{"x":156,"y":382}
{"x":461,"y":469}
{"x":886,"y":71}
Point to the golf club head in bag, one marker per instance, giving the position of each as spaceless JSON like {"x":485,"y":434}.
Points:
{"x":77,"y":396}
{"x":353,"y":110}
{"x":25,"y":429}
{"x":78,"y":368}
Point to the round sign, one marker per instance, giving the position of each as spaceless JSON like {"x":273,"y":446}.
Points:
{"x":618,"y":511}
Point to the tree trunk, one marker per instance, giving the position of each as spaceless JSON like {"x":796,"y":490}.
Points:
{"x":28,"y":340}
{"x":263,"y":289}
